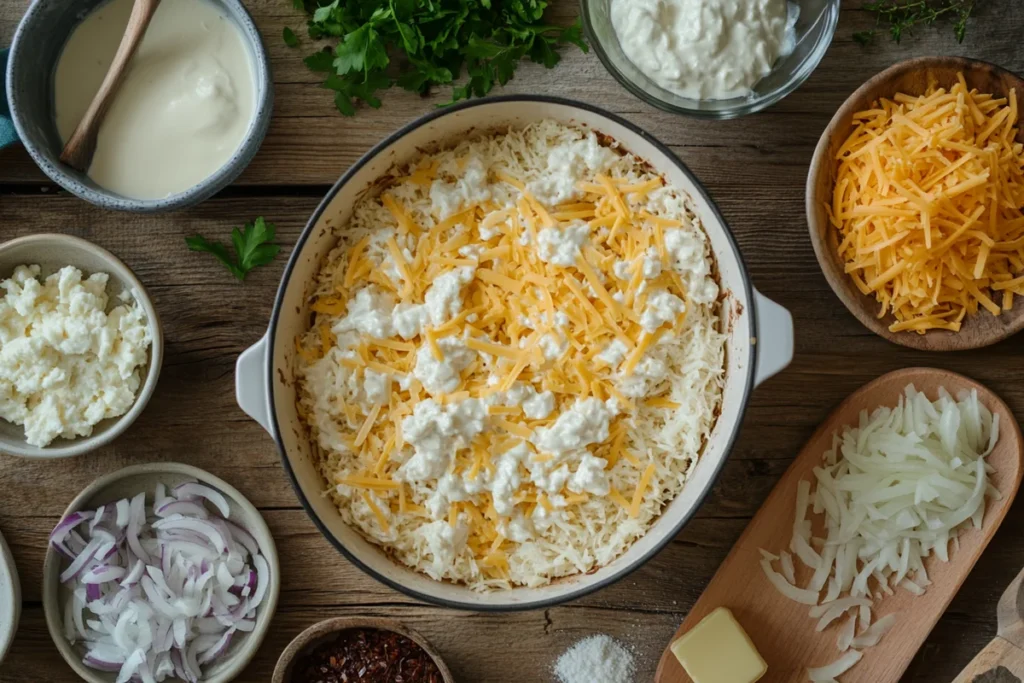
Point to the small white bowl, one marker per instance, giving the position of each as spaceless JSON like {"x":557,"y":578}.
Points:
{"x":10,"y":598}
{"x":128,"y":482}
{"x":51,"y":253}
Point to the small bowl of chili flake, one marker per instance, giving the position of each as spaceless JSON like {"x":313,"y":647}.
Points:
{"x":348,"y":650}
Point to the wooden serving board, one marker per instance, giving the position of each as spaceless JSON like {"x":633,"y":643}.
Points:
{"x":780,"y":628}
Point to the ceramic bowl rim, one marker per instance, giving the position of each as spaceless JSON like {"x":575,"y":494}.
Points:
{"x":14,"y":594}
{"x":335,"y":625}
{"x":83,"y":445}
{"x":265,"y":613}
{"x":251,"y":141}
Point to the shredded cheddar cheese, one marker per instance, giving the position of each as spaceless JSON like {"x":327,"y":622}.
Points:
{"x":927,"y":202}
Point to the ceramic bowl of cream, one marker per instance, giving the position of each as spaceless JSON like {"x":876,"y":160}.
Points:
{"x":140,"y":165}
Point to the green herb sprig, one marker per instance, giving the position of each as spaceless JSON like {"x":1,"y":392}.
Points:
{"x":901,"y":17}
{"x":252,"y":245}
{"x":433,"y":41}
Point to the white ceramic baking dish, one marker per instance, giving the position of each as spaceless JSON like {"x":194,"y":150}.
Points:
{"x":760,"y":344}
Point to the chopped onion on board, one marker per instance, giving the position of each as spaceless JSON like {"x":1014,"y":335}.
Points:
{"x":894,"y":490}
{"x":159,"y":591}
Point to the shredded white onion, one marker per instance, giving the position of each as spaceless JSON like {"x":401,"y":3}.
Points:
{"x":836,"y":668}
{"x":159,"y":591}
{"x":895,"y":489}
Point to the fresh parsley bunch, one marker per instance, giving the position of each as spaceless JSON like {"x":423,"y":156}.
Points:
{"x":419,"y":44}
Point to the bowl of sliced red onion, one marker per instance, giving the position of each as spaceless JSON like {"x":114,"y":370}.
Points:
{"x":160,"y":572}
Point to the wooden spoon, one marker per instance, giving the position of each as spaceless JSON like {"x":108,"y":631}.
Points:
{"x":913,"y":78}
{"x":81,"y":145}
{"x":781,"y":629}
{"x":1005,"y":654}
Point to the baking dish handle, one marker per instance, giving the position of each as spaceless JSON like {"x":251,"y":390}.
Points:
{"x":251,"y":383}
{"x":774,"y":342}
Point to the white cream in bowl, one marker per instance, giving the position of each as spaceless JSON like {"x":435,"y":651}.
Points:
{"x":186,"y":102}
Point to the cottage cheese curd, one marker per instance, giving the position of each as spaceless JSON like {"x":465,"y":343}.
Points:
{"x":515,"y":359}
{"x":705,"y":49}
{"x":66,"y":362}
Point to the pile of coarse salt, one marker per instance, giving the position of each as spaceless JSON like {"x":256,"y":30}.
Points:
{"x":597,"y":659}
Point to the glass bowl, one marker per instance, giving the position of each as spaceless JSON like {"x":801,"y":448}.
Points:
{"x":815,"y":27}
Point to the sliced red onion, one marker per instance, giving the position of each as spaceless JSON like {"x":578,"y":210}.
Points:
{"x":193,"y":490}
{"x":97,"y":518}
{"x":80,"y":562}
{"x":262,"y":582}
{"x":102,"y":574}
{"x":136,"y":520}
{"x":166,"y":587}
{"x":134,"y":575}
{"x":124,"y":512}
{"x":94,"y":661}
{"x":198,"y":525}
{"x":217,"y":649}
{"x":181,"y":507}
{"x":244,"y":537}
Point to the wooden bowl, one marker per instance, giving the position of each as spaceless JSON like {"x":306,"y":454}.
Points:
{"x":327,"y":630}
{"x":911,"y":77}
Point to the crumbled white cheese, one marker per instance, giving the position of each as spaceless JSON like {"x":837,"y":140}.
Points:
{"x":536,"y":405}
{"x":686,"y":255}
{"x":444,"y":544}
{"x":470,"y":188}
{"x":442,"y":376}
{"x":613,"y":353}
{"x":444,"y":298}
{"x":662,"y":307}
{"x":584,"y":423}
{"x":369,"y":312}
{"x":648,"y":375}
{"x":376,"y":387}
{"x":561,"y":246}
{"x":652,"y":264}
{"x":65,"y":362}
{"x":435,"y":432}
{"x":507,"y":480}
{"x":552,"y":346}
{"x":409,"y":320}
{"x":590,"y":476}
{"x":568,"y":164}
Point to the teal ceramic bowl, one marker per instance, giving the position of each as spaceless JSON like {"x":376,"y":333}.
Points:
{"x":38,"y":43}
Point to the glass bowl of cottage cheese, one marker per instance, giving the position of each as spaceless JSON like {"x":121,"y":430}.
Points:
{"x":80,"y":347}
{"x":717,"y":59}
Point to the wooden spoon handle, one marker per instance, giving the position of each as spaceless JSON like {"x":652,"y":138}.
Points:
{"x":1000,"y":662}
{"x":79,"y":149}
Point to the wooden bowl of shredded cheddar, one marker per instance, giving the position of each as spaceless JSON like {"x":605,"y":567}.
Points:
{"x":914,"y":203}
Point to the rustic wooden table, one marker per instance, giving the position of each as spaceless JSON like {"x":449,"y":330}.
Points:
{"x":754,"y":167}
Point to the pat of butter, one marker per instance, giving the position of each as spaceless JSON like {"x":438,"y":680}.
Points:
{"x":718,"y":650}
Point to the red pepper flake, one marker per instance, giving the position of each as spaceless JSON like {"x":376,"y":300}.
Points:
{"x":366,"y":656}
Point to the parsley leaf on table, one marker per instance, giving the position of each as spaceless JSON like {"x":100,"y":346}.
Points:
{"x":902,"y":16}
{"x":252,"y":245}
{"x":420,"y":44}
{"x":290,"y":39}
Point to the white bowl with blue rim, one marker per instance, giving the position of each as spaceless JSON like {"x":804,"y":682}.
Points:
{"x":34,"y":53}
